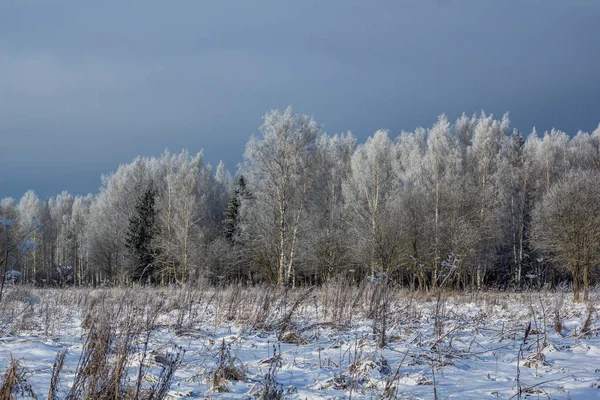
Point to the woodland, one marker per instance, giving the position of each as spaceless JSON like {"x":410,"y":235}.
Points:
{"x":470,"y":204}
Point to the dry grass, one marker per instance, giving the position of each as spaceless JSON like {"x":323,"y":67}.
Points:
{"x":59,"y":362}
{"x":119,"y":322}
{"x":14,"y":382}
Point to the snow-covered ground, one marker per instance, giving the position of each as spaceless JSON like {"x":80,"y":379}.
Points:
{"x":462,"y":345}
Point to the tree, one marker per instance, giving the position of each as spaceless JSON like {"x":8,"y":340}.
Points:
{"x":415,"y":234}
{"x":277,"y":169}
{"x":184,"y":195}
{"x":515,"y":196}
{"x":231,"y":221}
{"x":109,"y":218}
{"x":552,"y":156}
{"x":18,"y":243}
{"x":77,"y":226}
{"x":307,"y":207}
{"x":29,"y":208}
{"x":566,"y":226}
{"x":140,"y":235}
{"x":439,"y":166}
{"x":369,"y":193}
{"x":327,"y":250}
{"x":487,"y":140}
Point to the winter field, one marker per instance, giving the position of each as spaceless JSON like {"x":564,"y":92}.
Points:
{"x":338,"y":341}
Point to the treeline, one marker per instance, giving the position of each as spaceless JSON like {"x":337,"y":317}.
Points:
{"x":469,"y":204}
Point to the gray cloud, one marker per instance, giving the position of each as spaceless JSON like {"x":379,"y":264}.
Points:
{"x":86,"y":87}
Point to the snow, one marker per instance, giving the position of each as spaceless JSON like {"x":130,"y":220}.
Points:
{"x":474,"y":355}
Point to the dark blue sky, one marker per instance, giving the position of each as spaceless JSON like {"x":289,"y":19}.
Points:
{"x":85,"y":86}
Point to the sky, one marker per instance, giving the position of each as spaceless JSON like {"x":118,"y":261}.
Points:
{"x":86,"y":86}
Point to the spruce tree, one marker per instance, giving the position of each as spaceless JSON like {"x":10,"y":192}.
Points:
{"x":230,"y":223}
{"x":142,"y":229}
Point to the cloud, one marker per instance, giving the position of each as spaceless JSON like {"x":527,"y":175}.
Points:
{"x":43,"y":80}
{"x":88,"y":86}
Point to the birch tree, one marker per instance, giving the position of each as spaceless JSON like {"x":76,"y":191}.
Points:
{"x":440,"y":163}
{"x":327,"y":247}
{"x":109,"y":218}
{"x":276,"y":167}
{"x":369,"y":193}
{"x":184,"y":198}
{"x":30,"y":208}
{"x":515,"y":194}
{"x":78,"y":225}
{"x":487,"y":140}
{"x":566,"y":226}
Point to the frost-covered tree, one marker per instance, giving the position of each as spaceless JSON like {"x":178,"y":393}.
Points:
{"x":515,"y":202}
{"x":552,"y":156}
{"x":225,"y":180}
{"x":566,"y":226}
{"x":326,"y":248}
{"x":369,"y":193}
{"x":276,"y":167}
{"x":60,"y":213}
{"x":105,"y":231}
{"x":9,"y":214}
{"x":232,"y":214}
{"x":487,"y":140}
{"x":439,"y":168}
{"x":182,"y":199}
{"x":29,"y":209}
{"x":412,"y":202}
{"x":109,"y":218}
{"x":77,"y":226}
{"x":583,"y":151}
{"x":454,"y":200}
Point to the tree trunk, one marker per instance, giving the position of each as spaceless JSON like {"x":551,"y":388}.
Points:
{"x":575,"y":285}
{"x":437,"y":240}
{"x":281,"y":270}
{"x":586,"y":283}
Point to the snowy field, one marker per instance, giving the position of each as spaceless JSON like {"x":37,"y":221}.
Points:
{"x":334,"y":342}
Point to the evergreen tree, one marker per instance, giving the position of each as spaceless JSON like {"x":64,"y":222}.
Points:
{"x":230,"y":223}
{"x":142,"y":230}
